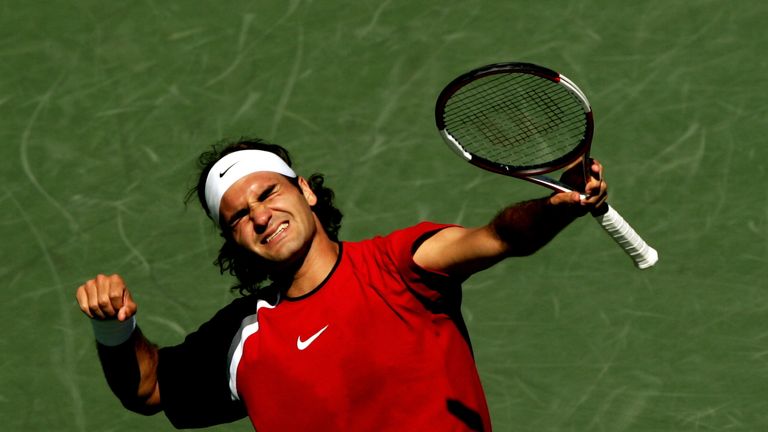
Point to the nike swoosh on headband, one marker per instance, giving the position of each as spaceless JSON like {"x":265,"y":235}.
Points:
{"x":221,"y":174}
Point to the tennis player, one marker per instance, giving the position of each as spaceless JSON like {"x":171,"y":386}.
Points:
{"x":329,"y":335}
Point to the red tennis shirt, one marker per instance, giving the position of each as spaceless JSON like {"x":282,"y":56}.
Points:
{"x":380,"y":345}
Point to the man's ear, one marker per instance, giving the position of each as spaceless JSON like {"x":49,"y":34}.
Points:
{"x":309,"y":195}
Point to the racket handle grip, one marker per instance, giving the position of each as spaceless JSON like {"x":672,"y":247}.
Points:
{"x":641,"y":253}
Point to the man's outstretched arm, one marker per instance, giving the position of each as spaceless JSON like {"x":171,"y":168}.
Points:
{"x":519,"y":230}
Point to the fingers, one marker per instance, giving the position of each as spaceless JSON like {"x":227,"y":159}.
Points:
{"x":82,"y":301}
{"x":596,"y":169}
{"x":596,"y":188}
{"x":128,"y":309}
{"x":565,"y":198}
{"x":595,"y":191}
{"x":106,"y":297}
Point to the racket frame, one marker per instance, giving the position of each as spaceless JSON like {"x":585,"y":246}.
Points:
{"x":533,"y":174}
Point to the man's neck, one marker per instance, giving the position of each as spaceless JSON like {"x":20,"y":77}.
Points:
{"x":316,"y":266}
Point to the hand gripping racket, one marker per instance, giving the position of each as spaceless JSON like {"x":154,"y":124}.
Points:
{"x":524,"y":121}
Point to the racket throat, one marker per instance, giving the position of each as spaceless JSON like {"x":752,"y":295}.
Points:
{"x":549,"y":182}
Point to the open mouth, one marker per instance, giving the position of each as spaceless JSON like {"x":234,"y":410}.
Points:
{"x":283,"y":226}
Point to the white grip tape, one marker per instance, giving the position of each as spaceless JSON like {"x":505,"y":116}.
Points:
{"x":113,"y":332}
{"x":643,"y":255}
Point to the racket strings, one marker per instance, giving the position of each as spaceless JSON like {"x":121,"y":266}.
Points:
{"x":519,"y":120}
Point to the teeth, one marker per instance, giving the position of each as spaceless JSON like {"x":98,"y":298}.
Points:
{"x":280,"y":229}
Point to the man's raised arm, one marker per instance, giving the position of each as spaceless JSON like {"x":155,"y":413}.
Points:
{"x":128,"y":359}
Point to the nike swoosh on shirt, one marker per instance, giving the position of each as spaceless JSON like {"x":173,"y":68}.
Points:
{"x":302,"y":345}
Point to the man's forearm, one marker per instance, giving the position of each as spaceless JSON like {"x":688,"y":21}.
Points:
{"x":527,"y":226}
{"x":131,"y":372}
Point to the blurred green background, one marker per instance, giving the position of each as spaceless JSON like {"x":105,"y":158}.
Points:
{"x":105,"y":106}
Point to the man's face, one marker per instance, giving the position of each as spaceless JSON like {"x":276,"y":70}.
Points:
{"x":269,"y":216}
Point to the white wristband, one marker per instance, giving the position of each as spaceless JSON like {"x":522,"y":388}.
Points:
{"x":113,"y":332}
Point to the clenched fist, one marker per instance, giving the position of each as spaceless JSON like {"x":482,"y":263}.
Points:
{"x":106,"y":298}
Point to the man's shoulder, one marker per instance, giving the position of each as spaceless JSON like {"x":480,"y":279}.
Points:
{"x":415,"y":230}
{"x":269,"y":294}
{"x":399,"y":243}
{"x":245,"y":305}
{"x":413,"y":235}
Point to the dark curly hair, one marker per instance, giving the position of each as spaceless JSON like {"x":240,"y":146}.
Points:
{"x":251,"y":270}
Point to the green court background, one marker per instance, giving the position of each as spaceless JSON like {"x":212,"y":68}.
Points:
{"x":104,"y":107}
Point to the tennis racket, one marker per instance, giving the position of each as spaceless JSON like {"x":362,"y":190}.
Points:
{"x":524,"y":121}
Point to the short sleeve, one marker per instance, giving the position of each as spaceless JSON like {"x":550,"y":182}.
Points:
{"x":193,"y":379}
{"x":401,"y":245}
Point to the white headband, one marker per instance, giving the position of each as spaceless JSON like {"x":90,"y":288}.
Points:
{"x":234,"y":166}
